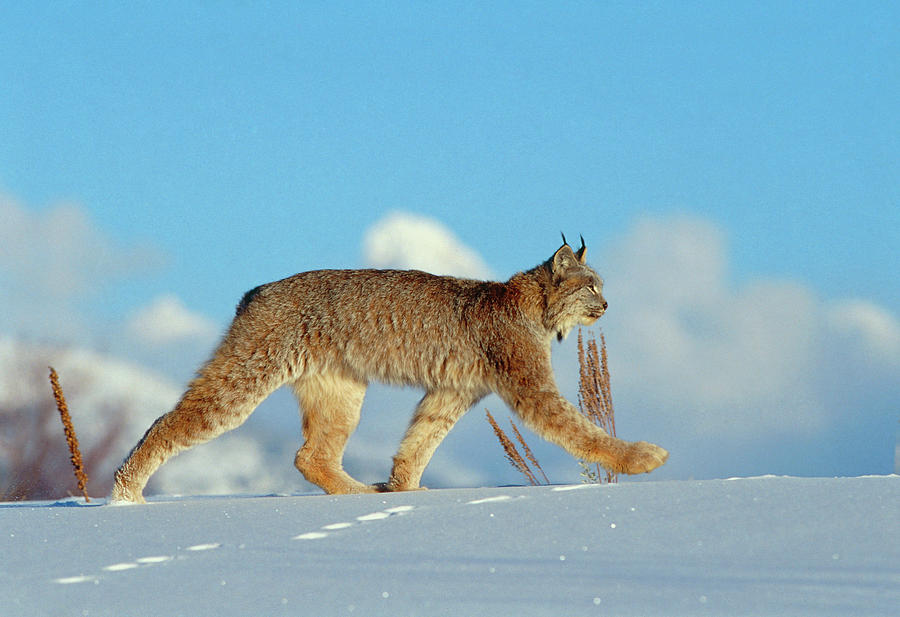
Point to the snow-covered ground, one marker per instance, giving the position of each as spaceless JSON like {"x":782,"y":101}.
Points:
{"x":755,"y":546}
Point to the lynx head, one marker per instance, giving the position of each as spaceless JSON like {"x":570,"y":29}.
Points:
{"x":575,"y":295}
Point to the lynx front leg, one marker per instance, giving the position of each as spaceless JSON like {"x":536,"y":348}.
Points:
{"x":556,"y":420}
{"x":436,"y":414}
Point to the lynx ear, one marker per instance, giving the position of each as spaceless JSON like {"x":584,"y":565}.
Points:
{"x":580,"y":254}
{"x":562,"y":260}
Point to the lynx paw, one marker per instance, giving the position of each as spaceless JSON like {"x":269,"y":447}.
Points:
{"x":122,"y":496}
{"x":642,"y":457}
{"x":388,"y":487}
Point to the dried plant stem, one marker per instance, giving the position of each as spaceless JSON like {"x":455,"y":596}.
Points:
{"x":595,"y":396}
{"x":528,"y":453}
{"x":512,"y":453}
{"x":71,"y":439}
{"x":594,"y":401}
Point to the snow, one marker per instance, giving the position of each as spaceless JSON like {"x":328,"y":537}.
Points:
{"x":751,"y":546}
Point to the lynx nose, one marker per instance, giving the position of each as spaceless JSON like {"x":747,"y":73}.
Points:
{"x":605,"y":305}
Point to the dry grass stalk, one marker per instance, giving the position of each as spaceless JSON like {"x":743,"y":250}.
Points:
{"x":33,"y":466}
{"x":71,"y":439}
{"x":528,"y":453}
{"x":594,"y":401}
{"x":595,"y":396}
{"x":512,"y":453}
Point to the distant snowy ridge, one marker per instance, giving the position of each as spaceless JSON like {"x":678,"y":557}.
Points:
{"x":102,"y":391}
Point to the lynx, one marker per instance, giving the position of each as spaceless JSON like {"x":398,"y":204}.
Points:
{"x":327,"y":333}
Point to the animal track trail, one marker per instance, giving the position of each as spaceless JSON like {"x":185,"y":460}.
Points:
{"x":185,"y":553}
{"x":140,"y":562}
{"x":327,"y":530}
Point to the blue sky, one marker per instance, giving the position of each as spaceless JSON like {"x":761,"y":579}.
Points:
{"x":185,"y":154}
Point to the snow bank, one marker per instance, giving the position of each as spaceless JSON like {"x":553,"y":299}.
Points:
{"x":764,"y":546}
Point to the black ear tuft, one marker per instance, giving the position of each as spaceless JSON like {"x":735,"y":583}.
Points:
{"x":580,"y":254}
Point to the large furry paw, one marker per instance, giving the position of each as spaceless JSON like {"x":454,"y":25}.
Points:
{"x":121,"y":496}
{"x":349,"y":487}
{"x":388,"y":487}
{"x":641,"y":457}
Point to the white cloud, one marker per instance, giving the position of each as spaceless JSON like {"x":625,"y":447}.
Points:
{"x":681,"y":261}
{"x":409,"y":241}
{"x":868,"y":323}
{"x":54,"y":267}
{"x":60,"y":252}
{"x":50,"y":261}
{"x":720,"y":364}
{"x":167,"y":320}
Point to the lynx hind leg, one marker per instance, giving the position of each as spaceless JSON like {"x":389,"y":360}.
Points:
{"x":208,"y":409}
{"x":435,"y":415}
{"x":330,"y":406}
{"x":556,"y":420}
